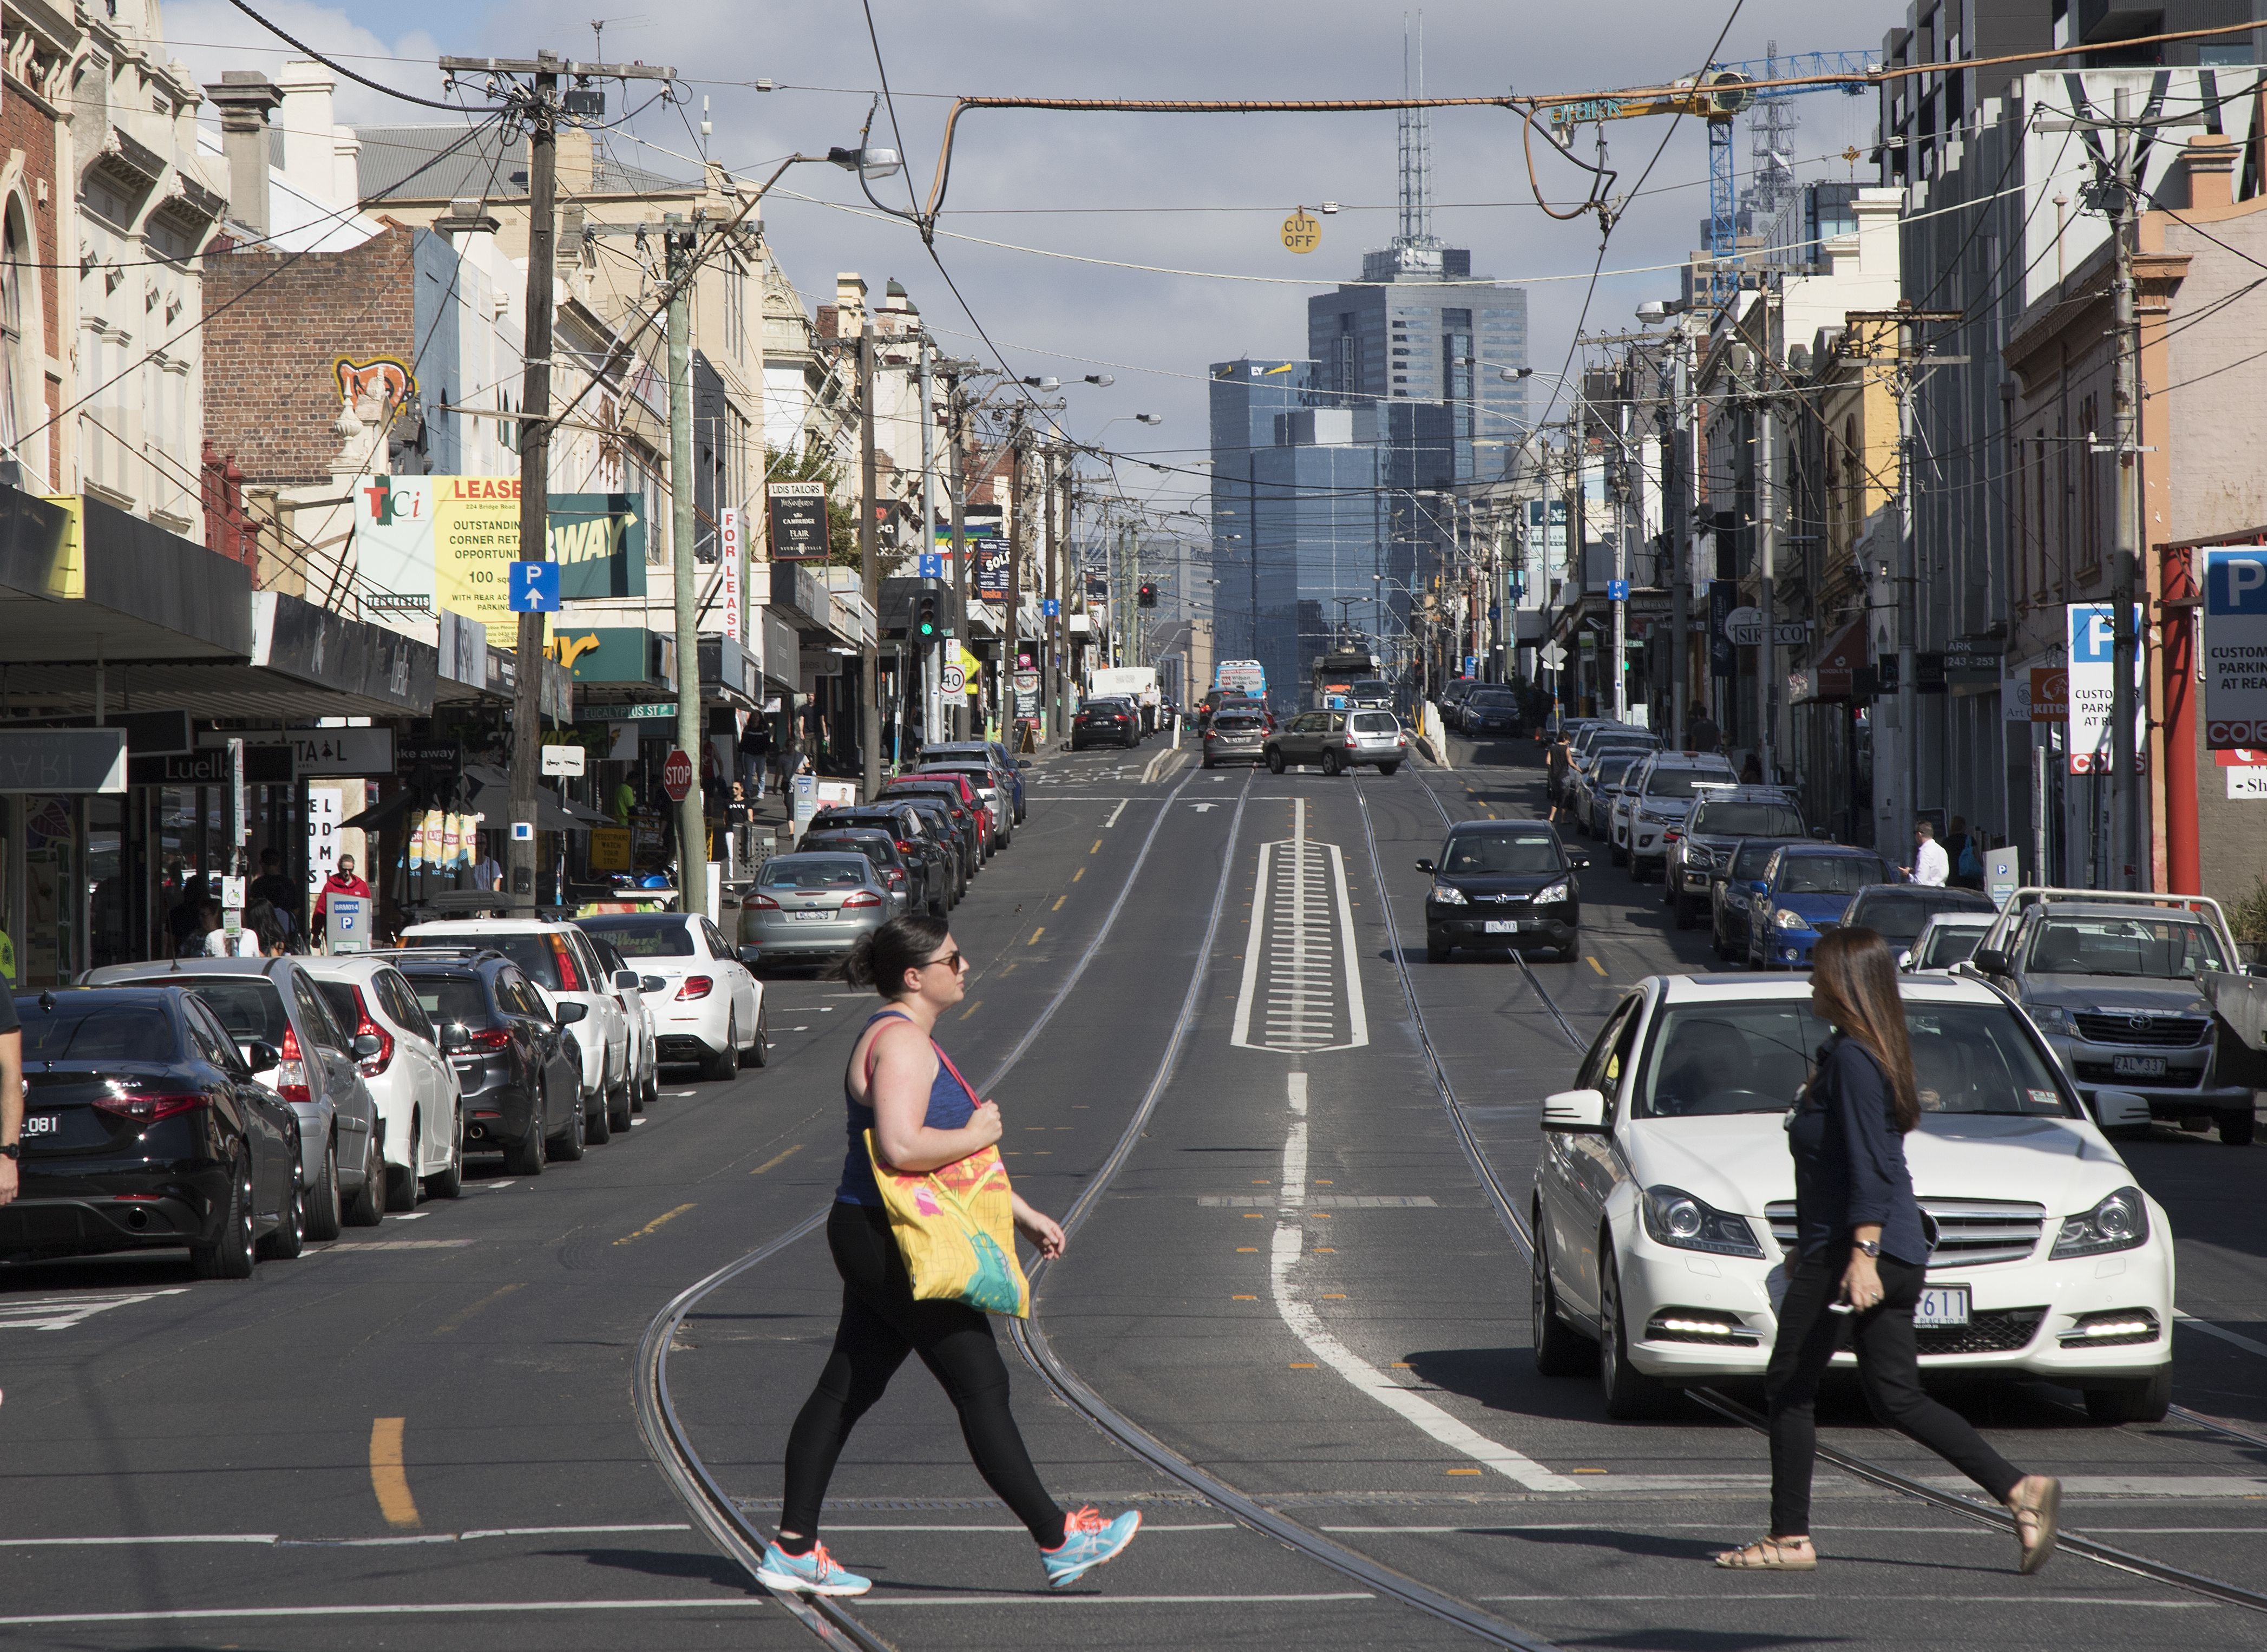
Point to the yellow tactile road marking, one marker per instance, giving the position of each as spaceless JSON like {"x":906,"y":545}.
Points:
{"x":385,"y":1476}
{"x":666,"y":1215}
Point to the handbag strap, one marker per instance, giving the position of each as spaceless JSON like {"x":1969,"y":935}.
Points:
{"x":973,"y":1099}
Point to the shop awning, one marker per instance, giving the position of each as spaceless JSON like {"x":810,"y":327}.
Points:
{"x":1833,"y":668}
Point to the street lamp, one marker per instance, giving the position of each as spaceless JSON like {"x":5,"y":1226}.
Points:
{"x":867,"y":163}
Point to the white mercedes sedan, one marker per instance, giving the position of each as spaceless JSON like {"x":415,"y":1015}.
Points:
{"x":1664,"y":1201}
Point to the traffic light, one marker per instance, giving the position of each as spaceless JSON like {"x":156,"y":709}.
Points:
{"x":1148,"y":597}
{"x":925,"y":619}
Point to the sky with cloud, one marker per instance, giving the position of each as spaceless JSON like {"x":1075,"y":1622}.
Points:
{"x":1046,"y":210}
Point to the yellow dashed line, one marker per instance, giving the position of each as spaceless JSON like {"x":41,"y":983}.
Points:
{"x":1243,"y":1299}
{"x":456,"y":1321}
{"x":1058,"y":900}
{"x":1309,"y":1365}
{"x":772,"y":1162}
{"x":1096,"y":849}
{"x":1079,"y":873}
{"x":1326,"y":1250}
{"x":972,"y":1010}
{"x":1334,"y":1295}
{"x":1253,"y":1215}
{"x":386,"y":1478}
{"x":1464,"y":1471}
{"x":666,"y":1215}
{"x":1241,"y":1249}
{"x":1594,"y":965}
{"x":1042,"y":929}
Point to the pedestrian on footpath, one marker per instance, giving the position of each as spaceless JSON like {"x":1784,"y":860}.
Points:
{"x":1859,"y":1263}
{"x":1931,"y":865}
{"x":1701,"y":734}
{"x":923,"y":1116}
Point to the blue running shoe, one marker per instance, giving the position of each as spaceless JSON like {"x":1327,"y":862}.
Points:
{"x":1088,"y":1541}
{"x":812,"y":1574}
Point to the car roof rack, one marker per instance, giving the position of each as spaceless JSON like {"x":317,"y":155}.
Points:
{"x":2030,"y":895}
{"x":437,"y":951}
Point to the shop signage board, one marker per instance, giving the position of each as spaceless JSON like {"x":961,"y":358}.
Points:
{"x":2089,"y":629}
{"x":434,"y":542}
{"x":599,"y":540}
{"x":2236,"y":650}
{"x":68,"y":760}
{"x":2049,"y":694}
{"x":1973,"y":663}
{"x":266,"y":762}
{"x":991,"y":570}
{"x":798,"y":521}
{"x":325,"y":808}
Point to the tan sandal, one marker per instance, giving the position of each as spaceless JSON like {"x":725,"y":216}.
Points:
{"x":1771,"y":1554}
{"x":2035,"y":1522}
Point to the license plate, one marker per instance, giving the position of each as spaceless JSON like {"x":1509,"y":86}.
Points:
{"x":43,"y":1124}
{"x":2138,"y":1066}
{"x":1501,"y":925}
{"x":809,"y":917}
{"x":1941,"y":1306}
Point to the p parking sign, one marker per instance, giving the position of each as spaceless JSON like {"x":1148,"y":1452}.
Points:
{"x":2235,"y":648}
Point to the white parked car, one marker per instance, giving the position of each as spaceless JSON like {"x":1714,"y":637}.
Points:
{"x":708,"y":1007}
{"x":1947,"y":938}
{"x":558,"y":958}
{"x":1664,"y":1198}
{"x":629,"y":991}
{"x":420,"y":1104}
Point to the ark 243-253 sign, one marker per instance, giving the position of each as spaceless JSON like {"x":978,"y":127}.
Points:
{"x":798,"y":521}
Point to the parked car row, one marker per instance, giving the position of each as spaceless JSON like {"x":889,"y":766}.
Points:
{"x":240,"y":1107}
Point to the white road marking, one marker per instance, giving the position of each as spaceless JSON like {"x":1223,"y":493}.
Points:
{"x":270,"y":1538}
{"x":1101,"y":1600}
{"x":410,"y":1215}
{"x":1745,"y":1595}
{"x":61,"y":1313}
{"x":492,"y":1186}
{"x":1114,"y":813}
{"x":1300,"y":880}
{"x":2211,"y":1329}
{"x":1307,"y":1326}
{"x":1148,"y":1527}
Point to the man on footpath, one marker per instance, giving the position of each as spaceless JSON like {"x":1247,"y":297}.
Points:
{"x":1931,"y":865}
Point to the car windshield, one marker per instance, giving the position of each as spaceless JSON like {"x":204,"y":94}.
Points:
{"x":1531,"y":850}
{"x":1370,"y":688}
{"x":1829,"y":874}
{"x":1497,"y":701}
{"x":1614,"y":771}
{"x":1899,"y":915}
{"x":1748,"y":864}
{"x":249,"y":1009}
{"x":1949,"y":944}
{"x":449,"y":998}
{"x":533,"y":952}
{"x":1240,"y":723}
{"x":2155,"y":949}
{"x":634,"y":935}
{"x":1684,"y":782}
{"x":809,"y":874}
{"x":875,"y":850}
{"x":1732,"y":1058}
{"x":1748,"y":820}
{"x":1373,"y":723}
{"x":85,"y":1029}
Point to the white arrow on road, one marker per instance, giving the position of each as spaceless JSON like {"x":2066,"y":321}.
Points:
{"x":1201,"y":807}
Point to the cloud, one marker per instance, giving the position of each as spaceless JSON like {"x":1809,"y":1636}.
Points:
{"x":212,"y":36}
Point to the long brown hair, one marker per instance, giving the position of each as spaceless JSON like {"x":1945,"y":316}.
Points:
{"x":1851,"y":970}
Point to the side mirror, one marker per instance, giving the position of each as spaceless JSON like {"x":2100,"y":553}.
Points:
{"x":1578,"y":1111}
{"x":261,"y":1056}
{"x":365,"y":1046}
{"x":653,"y":983}
{"x":1424,"y":866}
{"x":569,"y":1014}
{"x":1904,"y":959}
{"x":749,"y":955}
{"x":628,"y":981}
{"x":1991,"y":960}
{"x":455,"y":1037}
{"x":2120,"y":1110}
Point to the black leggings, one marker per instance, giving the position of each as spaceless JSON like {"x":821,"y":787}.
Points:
{"x":1889,"y":1367}
{"x":881,"y":1324}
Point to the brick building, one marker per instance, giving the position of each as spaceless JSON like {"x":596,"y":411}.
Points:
{"x":35,"y":353}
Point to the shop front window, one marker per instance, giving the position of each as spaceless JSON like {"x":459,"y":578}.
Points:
{"x":48,"y":952}
{"x":108,"y":883}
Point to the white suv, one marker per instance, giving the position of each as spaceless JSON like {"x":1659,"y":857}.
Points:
{"x":420,"y":1104}
{"x":558,"y":957}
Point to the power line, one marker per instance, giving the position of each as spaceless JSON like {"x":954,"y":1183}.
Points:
{"x":357,"y":78}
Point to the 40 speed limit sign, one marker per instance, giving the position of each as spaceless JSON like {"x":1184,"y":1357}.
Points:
{"x":954,"y":680}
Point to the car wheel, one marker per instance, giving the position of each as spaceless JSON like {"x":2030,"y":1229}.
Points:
{"x":1560,"y":1349}
{"x":325,"y":1215}
{"x":618,"y":1116}
{"x":2144,"y":1400}
{"x":726,"y":1061}
{"x":525,"y":1157}
{"x":448,"y":1182}
{"x":369,"y":1207}
{"x":1614,"y":854}
{"x":1437,"y":952}
{"x":1681,"y":913}
{"x":289,"y":1237}
{"x":1388,"y":769}
{"x":230,"y":1253}
{"x":759,"y":1052}
{"x":567,"y":1144}
{"x":1631,"y":1396}
{"x":1206,"y":763}
{"x":1330,"y":762}
{"x":1274,"y":762}
{"x":2236,"y":1129}
{"x":401,"y":1180}
{"x":1670,"y":894}
{"x":598,"y":1116}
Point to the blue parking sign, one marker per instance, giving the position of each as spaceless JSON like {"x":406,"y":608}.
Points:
{"x":1050,"y":607}
{"x":534,"y":587}
{"x":1617,"y":590}
{"x":932,"y":565}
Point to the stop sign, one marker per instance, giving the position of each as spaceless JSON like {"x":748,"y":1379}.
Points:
{"x":677,"y":776}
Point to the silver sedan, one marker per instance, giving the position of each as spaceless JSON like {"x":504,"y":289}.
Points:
{"x":812,"y":908}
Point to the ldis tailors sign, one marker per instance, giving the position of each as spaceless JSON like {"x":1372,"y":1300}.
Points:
{"x":2235,"y":649}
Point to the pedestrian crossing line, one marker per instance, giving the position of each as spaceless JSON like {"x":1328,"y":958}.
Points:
{"x":61,"y":1313}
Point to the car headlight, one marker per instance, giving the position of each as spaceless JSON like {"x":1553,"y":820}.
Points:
{"x":1450,"y":895}
{"x":2119,"y":1223}
{"x":2052,"y":1019}
{"x":1563,"y":890}
{"x":1656,"y":815}
{"x":1789,"y":920}
{"x":1674,"y":1217}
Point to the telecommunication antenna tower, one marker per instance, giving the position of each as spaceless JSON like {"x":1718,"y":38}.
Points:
{"x":1416,"y":148}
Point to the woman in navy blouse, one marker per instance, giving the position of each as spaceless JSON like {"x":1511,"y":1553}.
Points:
{"x":1859,"y":1261}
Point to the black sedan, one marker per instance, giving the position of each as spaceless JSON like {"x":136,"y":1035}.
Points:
{"x":1503,"y":884}
{"x":145,"y":1126}
{"x":1105,"y":723}
{"x":519,"y":1067}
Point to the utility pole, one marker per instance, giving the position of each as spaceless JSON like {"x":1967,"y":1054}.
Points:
{"x":869,"y":657}
{"x":692,"y":819}
{"x":960,"y":486}
{"x":933,"y":659}
{"x":1050,"y":628}
{"x":1008,"y":654}
{"x":2128,"y":830}
{"x":1688,"y":516}
{"x":1908,"y":603}
{"x":1767,"y":572}
{"x":1621,"y":570}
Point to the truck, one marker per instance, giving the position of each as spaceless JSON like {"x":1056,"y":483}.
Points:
{"x":1241,"y":677}
{"x":1136,"y":683}
{"x":1336,"y":673}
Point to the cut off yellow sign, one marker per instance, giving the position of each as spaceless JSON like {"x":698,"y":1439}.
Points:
{"x":475,"y":539}
{"x":1302,"y":231}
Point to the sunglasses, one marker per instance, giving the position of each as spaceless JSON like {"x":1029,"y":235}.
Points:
{"x":951,"y":960}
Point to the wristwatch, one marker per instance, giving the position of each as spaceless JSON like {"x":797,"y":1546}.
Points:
{"x":1871,"y":1247}
{"x":10,"y":1150}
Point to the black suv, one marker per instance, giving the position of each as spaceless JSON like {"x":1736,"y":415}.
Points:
{"x":521,"y":1074}
{"x":1700,"y":851}
{"x":916,"y":839}
{"x":1503,"y":884}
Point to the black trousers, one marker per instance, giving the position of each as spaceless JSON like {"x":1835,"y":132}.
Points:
{"x":1889,"y":1368}
{"x":881,"y":1324}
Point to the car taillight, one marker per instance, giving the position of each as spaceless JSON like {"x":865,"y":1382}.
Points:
{"x":291,"y":1071}
{"x":492,"y":1039}
{"x":764,"y":903}
{"x":904,"y":848}
{"x":893,"y":875}
{"x":570,"y":979}
{"x":694,"y":986}
{"x":143,"y":1107}
{"x":372,"y":1066}
{"x":1350,"y":740}
{"x":861,"y":898}
{"x":1672,"y":837}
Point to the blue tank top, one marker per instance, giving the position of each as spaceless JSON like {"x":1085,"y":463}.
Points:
{"x":950,"y":1105}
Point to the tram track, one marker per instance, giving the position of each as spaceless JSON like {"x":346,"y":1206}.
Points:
{"x":1717,"y":1403}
